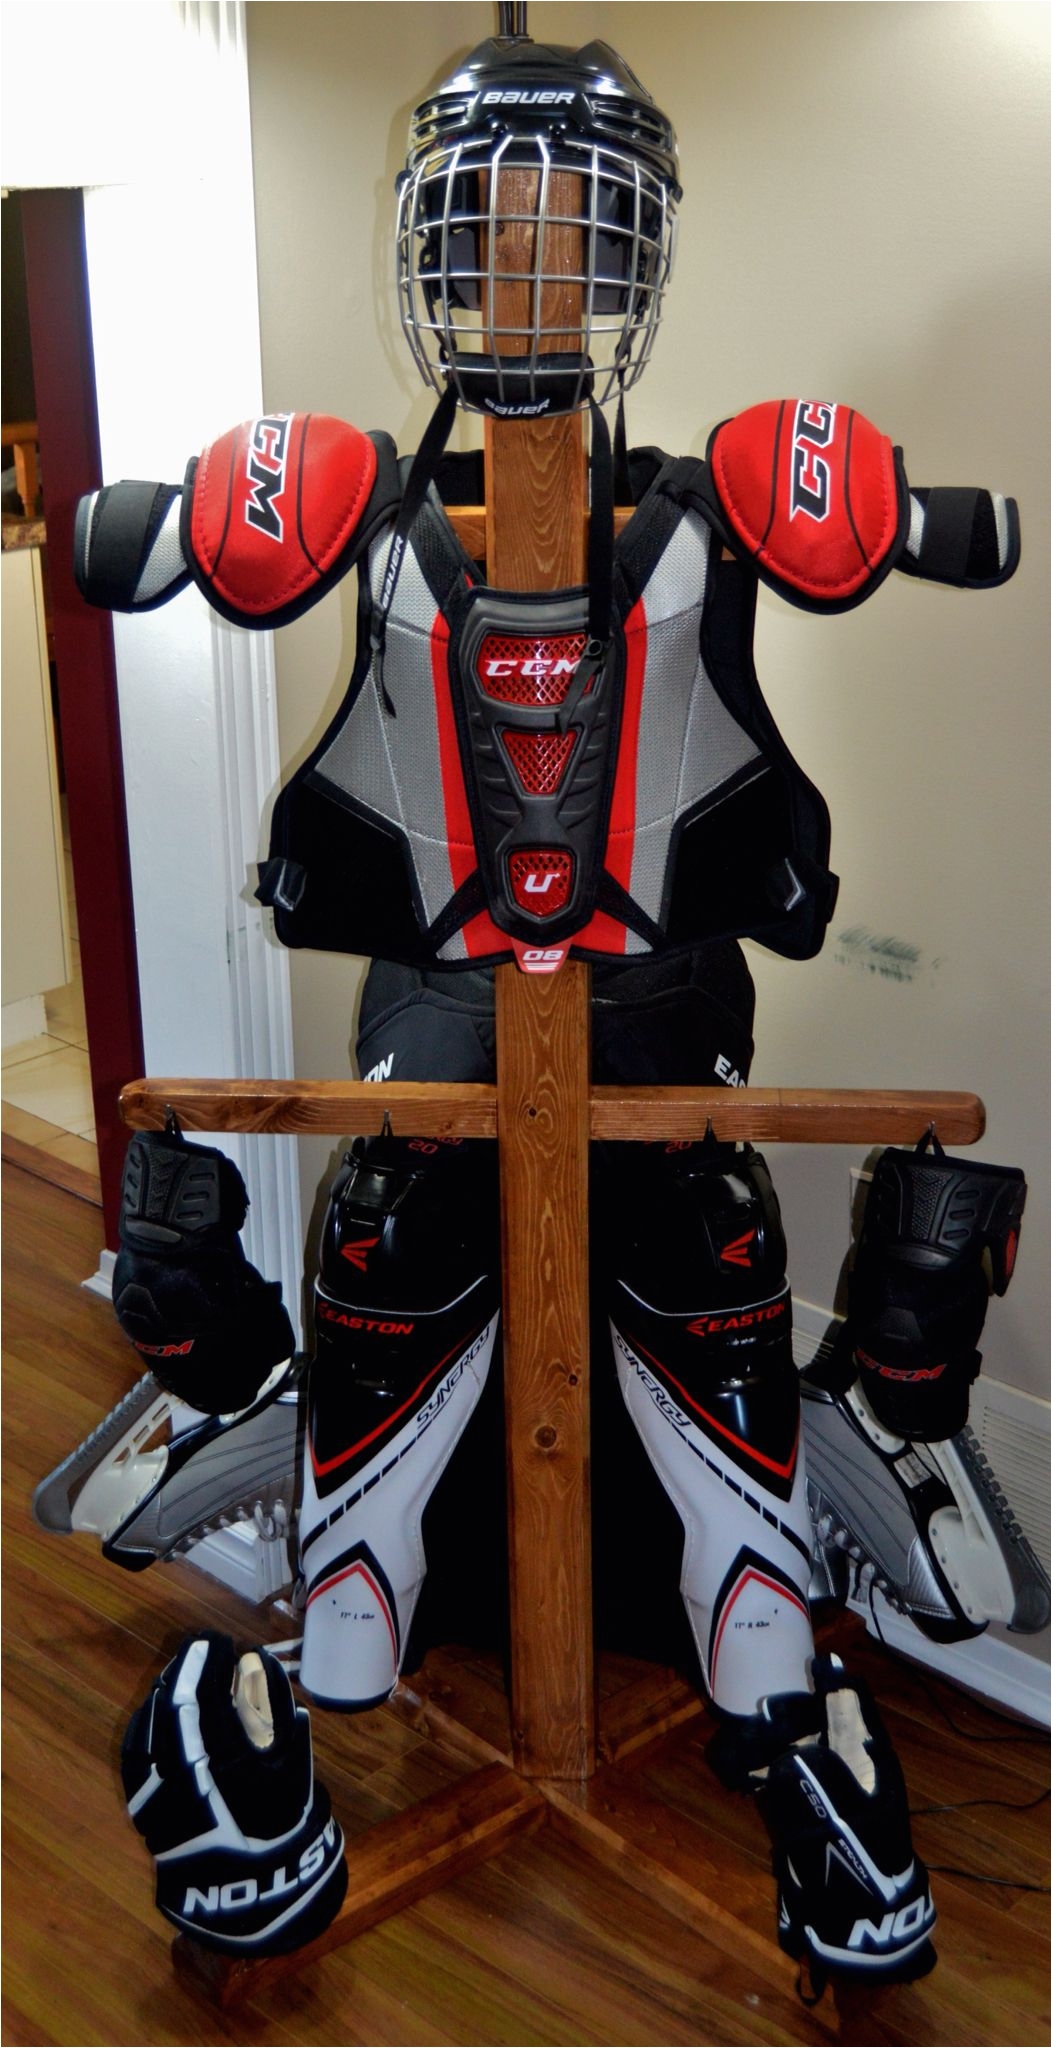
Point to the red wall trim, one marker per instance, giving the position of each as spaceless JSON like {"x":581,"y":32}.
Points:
{"x":64,"y":376}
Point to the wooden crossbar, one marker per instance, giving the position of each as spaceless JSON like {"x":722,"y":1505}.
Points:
{"x":424,"y":1109}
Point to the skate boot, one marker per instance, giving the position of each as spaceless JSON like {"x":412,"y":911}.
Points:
{"x":897,"y":1480}
{"x":209,"y":1434}
{"x":219,"y":1779}
{"x":853,"y":1899}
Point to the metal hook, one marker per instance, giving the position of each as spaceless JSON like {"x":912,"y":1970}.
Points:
{"x":511,"y":16}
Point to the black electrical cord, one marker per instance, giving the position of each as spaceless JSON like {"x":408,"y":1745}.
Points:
{"x":958,"y":1806}
{"x":1010,"y":1805}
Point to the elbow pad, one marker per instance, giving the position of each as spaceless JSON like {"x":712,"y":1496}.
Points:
{"x":127,"y":554}
{"x":967,"y":538}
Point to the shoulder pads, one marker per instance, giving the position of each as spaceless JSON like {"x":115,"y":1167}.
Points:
{"x":279,"y":509}
{"x":268,"y":519}
{"x":813,"y":495}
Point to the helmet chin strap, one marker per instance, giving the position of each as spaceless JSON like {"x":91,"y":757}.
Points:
{"x":600,"y":547}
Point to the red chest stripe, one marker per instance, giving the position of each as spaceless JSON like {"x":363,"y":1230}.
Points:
{"x":602,"y":932}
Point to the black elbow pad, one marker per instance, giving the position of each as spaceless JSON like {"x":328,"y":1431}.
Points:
{"x":127,"y":554}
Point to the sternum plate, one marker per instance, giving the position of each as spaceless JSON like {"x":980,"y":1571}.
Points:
{"x":538,"y":765}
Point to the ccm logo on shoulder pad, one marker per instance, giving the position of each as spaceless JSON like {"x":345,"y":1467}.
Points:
{"x":275,"y":512}
{"x":814,"y":495}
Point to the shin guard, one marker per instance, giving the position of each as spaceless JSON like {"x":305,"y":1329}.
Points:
{"x":219,"y":1779}
{"x":701,"y":1326}
{"x":937,"y":1236}
{"x":853,"y":1899}
{"x":405,"y":1321}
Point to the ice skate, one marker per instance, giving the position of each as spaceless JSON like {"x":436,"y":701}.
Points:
{"x":156,"y":1475}
{"x":897,"y":1481}
{"x":925,"y":1524}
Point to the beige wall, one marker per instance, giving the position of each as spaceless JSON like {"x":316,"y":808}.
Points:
{"x":865,"y":219}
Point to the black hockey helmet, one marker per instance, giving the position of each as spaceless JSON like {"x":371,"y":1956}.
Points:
{"x":600,"y":160}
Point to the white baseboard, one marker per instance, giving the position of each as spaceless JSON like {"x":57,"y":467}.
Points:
{"x":1014,"y":1430}
{"x":101,"y":1281}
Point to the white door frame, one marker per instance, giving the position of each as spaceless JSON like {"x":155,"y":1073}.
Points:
{"x":171,"y":256}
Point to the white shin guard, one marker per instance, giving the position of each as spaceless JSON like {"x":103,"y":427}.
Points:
{"x":747,"y":1536}
{"x":360,"y":1531}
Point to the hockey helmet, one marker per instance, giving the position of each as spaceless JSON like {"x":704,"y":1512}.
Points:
{"x":565,"y":152}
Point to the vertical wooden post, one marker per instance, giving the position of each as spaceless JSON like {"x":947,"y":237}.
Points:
{"x":542,"y":1111}
{"x":535,"y":540}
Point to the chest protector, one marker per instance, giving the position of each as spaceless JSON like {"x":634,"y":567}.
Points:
{"x":471,"y":801}
{"x":534,"y":775}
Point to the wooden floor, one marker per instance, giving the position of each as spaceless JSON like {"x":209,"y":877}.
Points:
{"x":542,"y":1944}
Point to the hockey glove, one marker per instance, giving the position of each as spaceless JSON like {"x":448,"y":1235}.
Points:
{"x":853,"y":1899}
{"x":219,"y":1780}
{"x":937,"y":1236}
{"x":209,"y":1327}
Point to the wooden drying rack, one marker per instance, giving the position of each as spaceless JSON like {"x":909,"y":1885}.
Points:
{"x":559,"y":1752}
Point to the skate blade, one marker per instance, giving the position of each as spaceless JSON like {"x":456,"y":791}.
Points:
{"x":155,"y":1474}
{"x":115,"y":1456}
{"x":981,"y":1548}
{"x":956,"y":1564}
{"x":861,"y":1513}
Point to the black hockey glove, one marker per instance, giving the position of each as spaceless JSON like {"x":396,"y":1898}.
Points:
{"x":208,"y":1326}
{"x":937,"y":1236}
{"x":219,"y":1780}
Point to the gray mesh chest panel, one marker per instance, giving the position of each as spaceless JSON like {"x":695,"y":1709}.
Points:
{"x":690,"y":747}
{"x":391,"y":765}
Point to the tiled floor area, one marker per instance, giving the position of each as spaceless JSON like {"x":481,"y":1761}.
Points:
{"x":45,"y":1083}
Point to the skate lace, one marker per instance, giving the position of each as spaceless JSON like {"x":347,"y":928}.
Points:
{"x":835,"y":1534}
{"x":272,"y":1524}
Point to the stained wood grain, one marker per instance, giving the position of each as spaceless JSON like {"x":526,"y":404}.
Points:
{"x":797,"y":1116}
{"x":542,"y":1068}
{"x":469,"y":525}
{"x":392,"y":1865}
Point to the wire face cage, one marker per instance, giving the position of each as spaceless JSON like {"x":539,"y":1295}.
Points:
{"x":534,"y":248}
